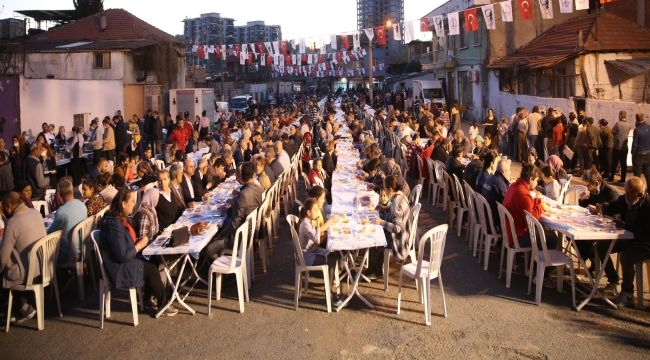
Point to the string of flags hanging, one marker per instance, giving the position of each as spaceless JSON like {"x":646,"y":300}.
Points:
{"x":321,"y":56}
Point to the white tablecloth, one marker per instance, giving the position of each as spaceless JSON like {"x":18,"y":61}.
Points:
{"x":576,"y":222}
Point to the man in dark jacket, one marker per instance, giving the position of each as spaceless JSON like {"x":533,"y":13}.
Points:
{"x":620,"y":133}
{"x":593,"y":143}
{"x":606,"y":148}
{"x":121,"y":136}
{"x":192,"y":190}
{"x":248,"y":199}
{"x":34,"y":173}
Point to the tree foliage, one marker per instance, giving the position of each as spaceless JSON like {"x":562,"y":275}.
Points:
{"x":88,"y":7}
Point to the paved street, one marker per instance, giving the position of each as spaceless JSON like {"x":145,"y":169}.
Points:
{"x":486,"y":320}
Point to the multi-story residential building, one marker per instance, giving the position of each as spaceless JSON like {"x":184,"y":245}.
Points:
{"x":372,"y":13}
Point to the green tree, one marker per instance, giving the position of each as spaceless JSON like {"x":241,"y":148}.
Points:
{"x":88,"y":7}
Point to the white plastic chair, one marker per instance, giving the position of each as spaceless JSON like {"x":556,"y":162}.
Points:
{"x":474,"y":226}
{"x":301,"y":267}
{"x":42,"y":206}
{"x":545,"y":258}
{"x":420,"y":166}
{"x":450,"y":198}
{"x":251,"y":220}
{"x":572,"y":194}
{"x":508,"y":223}
{"x":42,"y":258}
{"x":423,"y":271}
{"x":412,"y":225}
{"x":105,"y":287}
{"x":100,"y":215}
{"x":489,"y":235}
{"x":233,"y":263}
{"x":49,"y":196}
{"x":639,"y":281}
{"x":160,"y":164}
{"x":461,"y":204}
{"x":439,"y":196}
{"x":563,"y":189}
{"x":414,"y":196}
{"x":79,"y":240}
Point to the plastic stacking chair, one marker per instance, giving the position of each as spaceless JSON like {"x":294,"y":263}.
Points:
{"x":105,"y":287}
{"x":251,"y":220}
{"x":508,"y":228}
{"x":545,"y":258}
{"x":450,"y":198}
{"x":80,"y":236}
{"x":572,"y":194}
{"x":420,"y":175}
{"x":439,"y":196}
{"x":423,"y":271}
{"x":42,"y":258}
{"x":461,"y":204}
{"x":302,"y":268}
{"x":473,"y":225}
{"x":414,"y":196}
{"x":233,"y":263}
{"x":412,"y":225}
{"x":42,"y":206}
{"x":489,"y":235}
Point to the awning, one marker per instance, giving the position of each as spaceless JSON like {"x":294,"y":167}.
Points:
{"x":631,"y":67}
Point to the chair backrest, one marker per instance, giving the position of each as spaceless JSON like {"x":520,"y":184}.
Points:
{"x":485,"y":215}
{"x":431,"y":166}
{"x":420,"y":166}
{"x":412,"y":225}
{"x":251,"y":220}
{"x":563,"y":189}
{"x":436,"y":239}
{"x":537,"y":236}
{"x":240,"y":243}
{"x":43,"y":256}
{"x":508,"y":226}
{"x":573,"y":193}
{"x":80,"y":234}
{"x":470,"y":200}
{"x":297,"y":250}
{"x":42,"y":206}
{"x":414,"y":197}
{"x":305,"y":178}
{"x":438,"y":169}
{"x":94,"y":238}
{"x":459,"y":192}
{"x":101,"y":214}
{"x":450,"y":187}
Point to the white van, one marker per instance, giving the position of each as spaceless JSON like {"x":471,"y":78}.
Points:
{"x":239,"y":103}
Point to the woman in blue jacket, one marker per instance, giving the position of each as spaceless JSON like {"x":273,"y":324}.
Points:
{"x":121,"y":252}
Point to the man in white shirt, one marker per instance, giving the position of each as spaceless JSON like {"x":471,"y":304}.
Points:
{"x":282,"y":155}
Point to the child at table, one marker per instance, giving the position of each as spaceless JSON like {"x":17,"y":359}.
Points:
{"x":550,"y":186}
{"x":383,"y":207}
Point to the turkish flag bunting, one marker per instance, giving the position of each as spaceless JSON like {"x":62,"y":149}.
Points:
{"x":471,"y":21}
{"x":284,"y":49}
{"x":380,"y":33}
{"x":287,"y":59}
{"x":260,"y":47}
{"x":200,"y":52}
{"x":269,"y":59}
{"x":237,"y":50}
{"x":526,"y":9}
{"x":320,"y":58}
{"x":339,"y":57}
{"x":424,"y":24}
{"x":304,"y":58}
{"x":217,"y":52}
{"x":345,"y":41}
{"x":249,"y":60}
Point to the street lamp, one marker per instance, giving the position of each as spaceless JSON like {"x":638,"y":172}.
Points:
{"x":371,"y":70}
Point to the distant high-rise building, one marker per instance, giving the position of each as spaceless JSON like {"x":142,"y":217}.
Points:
{"x":255,"y":31}
{"x":372,"y":13}
{"x":209,"y":28}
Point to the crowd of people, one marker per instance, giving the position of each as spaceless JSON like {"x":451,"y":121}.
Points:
{"x":257,"y":147}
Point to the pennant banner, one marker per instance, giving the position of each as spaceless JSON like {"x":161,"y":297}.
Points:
{"x":370,"y":33}
{"x":454,"y":24}
{"x":582,"y":4}
{"x":397,"y":32}
{"x":356,"y":40}
{"x":424,"y":24}
{"x":488,"y":15}
{"x":566,"y":6}
{"x":471,"y":21}
{"x":506,"y":10}
{"x":408,"y":32}
{"x":439,"y":25}
{"x":546,"y":6}
{"x":345,"y":41}
{"x":381,"y":35}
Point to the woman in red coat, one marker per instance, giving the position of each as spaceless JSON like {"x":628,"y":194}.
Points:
{"x":179,"y":135}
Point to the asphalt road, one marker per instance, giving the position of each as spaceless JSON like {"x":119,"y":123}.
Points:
{"x":486,"y":320}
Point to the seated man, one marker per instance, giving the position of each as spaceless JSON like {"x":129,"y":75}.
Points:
{"x":496,"y":186}
{"x":248,"y":199}
{"x":201,"y":176}
{"x":634,"y":210}
{"x":24,"y":228}
{"x":192,"y":190}
{"x":519,"y":199}
{"x":71,"y":213}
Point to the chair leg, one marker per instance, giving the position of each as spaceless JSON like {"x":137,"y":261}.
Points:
{"x":426,"y":289}
{"x":487,"y":242}
{"x":240,"y":289}
{"x":57,"y":298}
{"x":9,"y":303}
{"x":539,"y":285}
{"x":209,"y":292}
{"x":511,"y":259}
{"x":134,"y":305}
{"x":460,"y":221}
{"x":387,"y":255}
{"x":262,"y":247}
{"x":328,"y":293}
{"x":442,"y":291}
{"x":80,"y":280}
{"x":638,"y":270}
{"x":501,"y":259}
{"x":399,"y":292}
{"x":40,"y":308}
{"x":530,"y":276}
{"x":573,"y":285}
{"x":102,"y":299}
{"x":218,"y":286}
{"x":297,"y":282}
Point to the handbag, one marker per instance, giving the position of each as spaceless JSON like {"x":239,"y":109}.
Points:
{"x":568,"y":153}
{"x":180,"y":236}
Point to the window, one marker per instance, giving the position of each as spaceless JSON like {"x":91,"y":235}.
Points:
{"x":477,"y":36}
{"x":463,"y":34}
{"x":102,"y":60}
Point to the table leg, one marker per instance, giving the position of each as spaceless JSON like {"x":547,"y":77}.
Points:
{"x":357,"y":277}
{"x":595,"y":281}
{"x":176,"y":286}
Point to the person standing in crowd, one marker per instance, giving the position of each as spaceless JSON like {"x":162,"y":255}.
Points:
{"x":571,"y":134}
{"x":179,"y":135}
{"x":204,"y":125}
{"x":641,"y":148}
{"x":34,"y":173}
{"x":620,"y":132}
{"x":122,"y":139}
{"x":593,"y":143}
{"x":6,"y":176}
{"x":95,"y":139}
{"x":76,"y":151}
{"x":108,"y":139}
{"x":606,"y":149}
{"x":490,"y":125}
{"x":534,"y":124}
{"x":156,"y":133}
{"x":522,"y":121}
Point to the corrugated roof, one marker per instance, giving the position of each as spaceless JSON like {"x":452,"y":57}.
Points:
{"x":123,"y":31}
{"x":601,"y":32}
{"x":631,"y":67}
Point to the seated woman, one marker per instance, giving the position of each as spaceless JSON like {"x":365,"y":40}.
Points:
{"x":318,"y":194}
{"x":121,"y":249}
{"x":549,"y":186}
{"x":260,"y":172}
{"x":169,"y":207}
{"x":557,"y":166}
{"x":145,"y":219}
{"x":25,"y":192}
{"x":309,"y":237}
{"x":454,"y":166}
{"x":94,"y":201}
{"x":316,"y":174}
{"x":122,"y":167}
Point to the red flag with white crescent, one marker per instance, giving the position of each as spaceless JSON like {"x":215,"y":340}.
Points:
{"x":260,"y":47}
{"x":283,"y":48}
{"x":287,"y":59}
{"x":217,"y":52}
{"x":380,"y":34}
{"x":237,"y":50}
{"x":345,"y":41}
{"x":304,"y":59}
{"x":269,"y":59}
{"x":526,"y":9}
{"x":320,"y":58}
{"x":339,"y":57}
{"x":200,"y":52}
{"x":471,"y":22}
{"x":425,"y":25}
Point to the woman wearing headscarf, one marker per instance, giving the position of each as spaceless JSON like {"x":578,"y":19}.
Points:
{"x":557,"y":166}
{"x":146,"y":218}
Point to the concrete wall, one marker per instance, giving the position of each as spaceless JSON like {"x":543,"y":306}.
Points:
{"x":72,"y":66}
{"x":56,"y":101}
{"x":616,"y":85}
{"x":133,"y":101}
{"x":608,"y":110}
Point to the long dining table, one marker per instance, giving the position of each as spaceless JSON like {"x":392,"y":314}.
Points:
{"x":575,"y":223}
{"x":213,"y":213}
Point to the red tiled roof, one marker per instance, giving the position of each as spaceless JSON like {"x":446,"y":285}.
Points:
{"x":601,"y":32}
{"x":122,"y":27}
